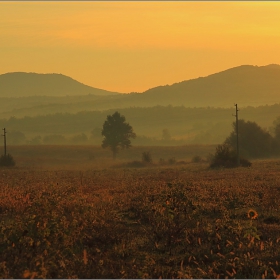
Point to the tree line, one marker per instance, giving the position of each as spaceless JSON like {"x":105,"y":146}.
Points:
{"x":254,"y":141}
{"x":194,"y":125}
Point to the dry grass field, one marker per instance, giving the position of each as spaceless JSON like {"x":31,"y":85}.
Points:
{"x":70,"y":213}
{"x":87,"y":157}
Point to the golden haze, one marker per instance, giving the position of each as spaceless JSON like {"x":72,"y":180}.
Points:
{"x":133,"y":46}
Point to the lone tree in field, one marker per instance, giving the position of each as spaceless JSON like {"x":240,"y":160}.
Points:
{"x":116,"y":132}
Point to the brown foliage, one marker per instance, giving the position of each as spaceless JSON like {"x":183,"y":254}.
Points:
{"x":170,"y":221}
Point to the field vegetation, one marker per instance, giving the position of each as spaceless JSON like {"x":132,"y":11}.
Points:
{"x":73,"y":212}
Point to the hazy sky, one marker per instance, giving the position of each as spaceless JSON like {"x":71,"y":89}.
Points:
{"x":134,"y":46}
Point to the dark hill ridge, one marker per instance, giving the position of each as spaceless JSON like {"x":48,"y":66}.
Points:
{"x":244,"y":84}
{"x":21,"y":84}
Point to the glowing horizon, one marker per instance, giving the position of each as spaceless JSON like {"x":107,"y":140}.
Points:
{"x":134,"y":46}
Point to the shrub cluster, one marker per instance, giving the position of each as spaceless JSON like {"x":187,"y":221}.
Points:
{"x":147,"y":157}
{"x":7,"y":160}
{"x":226,"y":157}
{"x":254,"y":141}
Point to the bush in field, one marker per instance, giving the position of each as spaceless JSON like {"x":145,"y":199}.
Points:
{"x":7,"y":160}
{"x":147,"y":157}
{"x":197,"y":159}
{"x":245,"y":162}
{"x":225,"y":156}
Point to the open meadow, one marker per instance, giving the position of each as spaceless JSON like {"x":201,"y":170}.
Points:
{"x":73,"y":212}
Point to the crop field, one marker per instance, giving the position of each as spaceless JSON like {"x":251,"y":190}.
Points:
{"x":179,"y":220}
{"x":86,"y":156}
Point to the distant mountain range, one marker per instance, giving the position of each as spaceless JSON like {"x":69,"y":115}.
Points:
{"x":246,"y":85}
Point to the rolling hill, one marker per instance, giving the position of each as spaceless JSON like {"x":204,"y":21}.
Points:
{"x":21,"y":84}
{"x":247,"y":85}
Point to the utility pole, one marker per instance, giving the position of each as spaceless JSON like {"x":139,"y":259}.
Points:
{"x":237,"y":140}
{"x":5,"y":146}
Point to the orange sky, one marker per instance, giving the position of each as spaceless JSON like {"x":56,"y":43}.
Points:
{"x":134,"y":46}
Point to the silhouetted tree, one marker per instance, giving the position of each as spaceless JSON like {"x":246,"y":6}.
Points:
{"x":253,"y":140}
{"x":116,"y":132}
